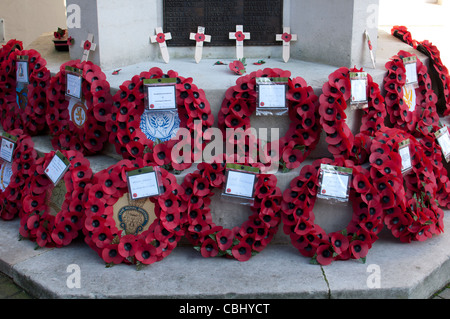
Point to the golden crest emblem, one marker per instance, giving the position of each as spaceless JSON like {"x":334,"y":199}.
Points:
{"x":78,"y":114}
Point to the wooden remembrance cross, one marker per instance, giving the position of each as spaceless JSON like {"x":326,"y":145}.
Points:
{"x":240,"y":36}
{"x":199,"y":37}
{"x":286,"y":37}
{"x":161,"y":38}
{"x":88,"y":46}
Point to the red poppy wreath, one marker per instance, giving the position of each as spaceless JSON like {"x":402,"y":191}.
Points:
{"x":414,"y":215}
{"x":333,"y":103}
{"x":139,"y":232}
{"x":132,"y":141}
{"x":424,"y":114}
{"x":309,"y":238}
{"x":423,"y":121}
{"x":74,"y":124}
{"x":25,"y":103}
{"x":54,"y":215}
{"x":304,"y":130}
{"x":9,"y":47}
{"x":433,"y":52}
{"x":14,"y":176}
{"x":241,"y":242}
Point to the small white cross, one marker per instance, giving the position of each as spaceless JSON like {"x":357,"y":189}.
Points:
{"x":240,"y":36}
{"x":88,"y":46}
{"x":161,"y":38}
{"x":200,"y":37}
{"x":286,"y":37}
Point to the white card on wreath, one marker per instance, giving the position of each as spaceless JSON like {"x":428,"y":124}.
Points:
{"x":272,"y":96}
{"x":443,"y":138}
{"x":410,"y":64}
{"x":334,"y":182}
{"x":335,"y":185}
{"x":405,"y":154}
{"x":57,"y":167}
{"x":240,"y":184}
{"x":143,"y":183}
{"x":22,"y":72}
{"x":73,"y":85}
{"x":162,"y":97}
{"x":7,"y":150}
{"x":359,"y":90}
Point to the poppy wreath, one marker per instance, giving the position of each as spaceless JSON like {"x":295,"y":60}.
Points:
{"x":421,"y":123}
{"x":413,"y":215}
{"x":24,"y":110}
{"x":88,"y":136}
{"x":424,"y":115}
{"x":22,"y":166}
{"x":129,"y":105}
{"x":433,"y":52}
{"x":39,"y":222}
{"x":309,"y":238}
{"x":5,"y":51}
{"x":333,"y":103}
{"x":113,"y":244}
{"x":240,"y":243}
{"x":9,"y":47}
{"x":304,"y":130}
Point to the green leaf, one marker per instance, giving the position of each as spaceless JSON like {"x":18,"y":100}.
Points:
{"x":197,"y":248}
{"x":314,"y":261}
{"x":109,"y":265}
{"x":139,"y":266}
{"x":363,"y":259}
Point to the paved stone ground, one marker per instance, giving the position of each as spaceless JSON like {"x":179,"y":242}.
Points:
{"x":9,"y":290}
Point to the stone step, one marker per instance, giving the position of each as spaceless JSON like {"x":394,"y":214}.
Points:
{"x":392,"y":270}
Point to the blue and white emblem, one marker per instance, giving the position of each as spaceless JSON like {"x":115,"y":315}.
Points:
{"x":160,"y":125}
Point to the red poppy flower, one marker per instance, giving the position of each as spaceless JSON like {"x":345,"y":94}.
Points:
{"x":146,"y":254}
{"x":127,"y":246}
{"x":286,"y":37}
{"x":240,"y":36}
{"x":87,"y":45}
{"x":339,"y":242}
{"x":324,"y":255}
{"x":199,"y":37}
{"x":237,"y":67}
{"x":209,"y":248}
{"x":110,"y":254}
{"x":224,"y":239}
{"x":358,"y":249}
{"x":242,"y":251}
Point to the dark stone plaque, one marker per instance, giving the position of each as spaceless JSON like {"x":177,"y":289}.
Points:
{"x":262,"y":18}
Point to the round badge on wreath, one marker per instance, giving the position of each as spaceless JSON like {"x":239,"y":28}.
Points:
{"x":79,"y":101}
